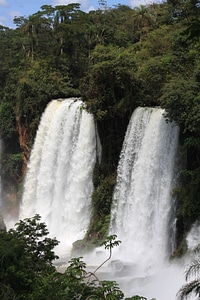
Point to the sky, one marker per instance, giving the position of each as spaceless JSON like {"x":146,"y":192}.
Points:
{"x":16,"y":8}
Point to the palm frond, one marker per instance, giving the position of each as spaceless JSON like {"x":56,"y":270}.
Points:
{"x":193,"y":269}
{"x":188,"y":289}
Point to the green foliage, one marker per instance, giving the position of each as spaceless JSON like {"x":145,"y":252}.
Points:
{"x":26,"y":257}
{"x":36,"y":87}
{"x":7,"y":120}
{"x":181,"y":99}
{"x":84,"y":285}
{"x":27,"y":270}
{"x":111,"y":242}
{"x":102,"y":196}
{"x":112,"y":85}
{"x":6,"y":292}
{"x":12,"y":166}
{"x":102,"y":199}
{"x":192,"y":287}
{"x":189,"y":195}
{"x":31,"y":231}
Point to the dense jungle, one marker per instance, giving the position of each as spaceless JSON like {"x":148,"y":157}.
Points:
{"x":115,"y":59}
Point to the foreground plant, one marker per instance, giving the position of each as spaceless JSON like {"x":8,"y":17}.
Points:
{"x":192,"y":278}
{"x":27,"y":270}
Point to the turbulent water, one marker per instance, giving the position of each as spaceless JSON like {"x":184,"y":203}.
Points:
{"x":193,"y":236}
{"x":59,"y":184}
{"x":143,"y":210}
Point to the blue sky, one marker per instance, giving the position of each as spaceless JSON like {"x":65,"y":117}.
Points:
{"x":11,"y":8}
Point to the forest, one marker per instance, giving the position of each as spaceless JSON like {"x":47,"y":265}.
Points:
{"x":115,"y":59}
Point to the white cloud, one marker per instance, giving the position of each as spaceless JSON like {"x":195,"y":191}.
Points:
{"x":3,"y":3}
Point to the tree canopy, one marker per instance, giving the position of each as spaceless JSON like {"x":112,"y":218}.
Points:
{"x":28,"y":269}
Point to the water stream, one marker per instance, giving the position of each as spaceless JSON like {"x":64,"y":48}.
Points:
{"x":59,"y":184}
{"x":143,"y":216}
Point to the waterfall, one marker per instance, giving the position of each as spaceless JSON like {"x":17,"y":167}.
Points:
{"x":143,"y":209}
{"x":193,"y":235}
{"x":58,"y":184}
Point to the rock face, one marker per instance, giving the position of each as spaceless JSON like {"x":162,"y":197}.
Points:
{"x":23,"y":142}
{"x":2,"y":224}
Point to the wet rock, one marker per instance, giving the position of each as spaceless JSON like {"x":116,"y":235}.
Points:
{"x":2,"y":224}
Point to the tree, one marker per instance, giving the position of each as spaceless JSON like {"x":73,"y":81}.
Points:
{"x":143,"y":20}
{"x":27,"y":270}
{"x":112,"y":85}
{"x":26,"y":257}
{"x":192,"y":286}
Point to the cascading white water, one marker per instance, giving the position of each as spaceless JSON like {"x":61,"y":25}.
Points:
{"x":193,"y":235}
{"x":143,"y":210}
{"x":59,"y":184}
